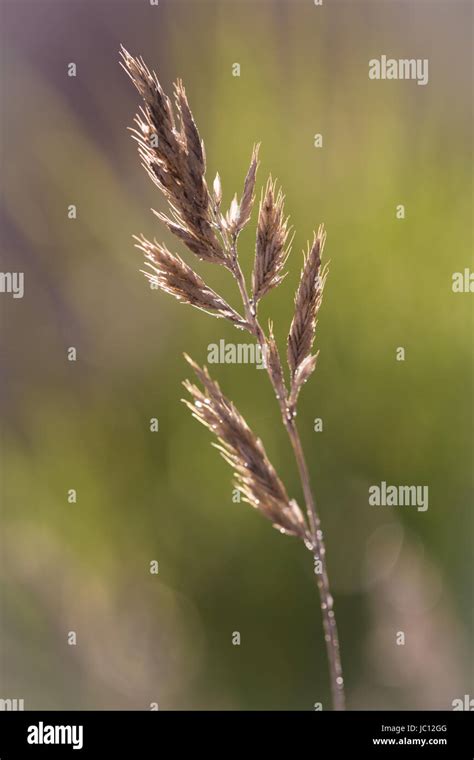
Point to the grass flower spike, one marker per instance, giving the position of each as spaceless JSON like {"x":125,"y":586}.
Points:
{"x":173,"y":155}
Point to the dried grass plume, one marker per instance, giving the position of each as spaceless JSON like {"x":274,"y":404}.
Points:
{"x":172,"y":153}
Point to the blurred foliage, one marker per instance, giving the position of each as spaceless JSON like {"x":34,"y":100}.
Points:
{"x":167,"y":495}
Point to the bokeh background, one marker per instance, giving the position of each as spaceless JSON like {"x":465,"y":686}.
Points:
{"x":167,"y":496}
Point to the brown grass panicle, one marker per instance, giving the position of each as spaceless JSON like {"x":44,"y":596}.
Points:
{"x":307,"y":303}
{"x":173,"y":155}
{"x":255,"y":476}
{"x":271,"y":252}
{"x":170,"y":273}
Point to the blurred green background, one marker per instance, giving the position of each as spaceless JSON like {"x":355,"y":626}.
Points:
{"x":167,"y":496}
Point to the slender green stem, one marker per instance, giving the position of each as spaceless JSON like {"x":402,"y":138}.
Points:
{"x":322,"y":581}
{"x":317,"y":546}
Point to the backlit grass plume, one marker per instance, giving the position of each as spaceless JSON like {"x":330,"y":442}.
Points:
{"x":172,"y":153}
{"x":255,"y":476}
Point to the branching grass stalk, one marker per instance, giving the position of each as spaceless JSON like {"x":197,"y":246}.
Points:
{"x":173,"y":155}
{"x":317,"y":545}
